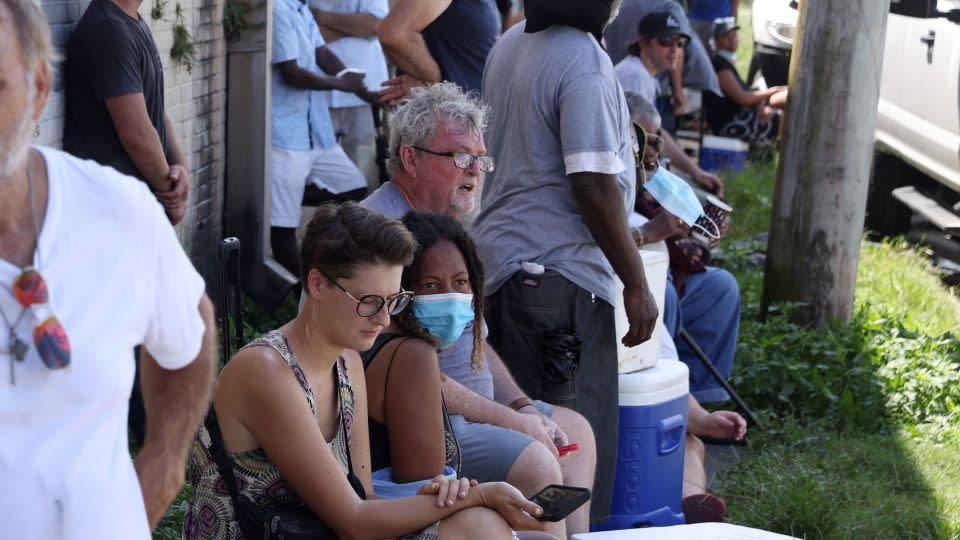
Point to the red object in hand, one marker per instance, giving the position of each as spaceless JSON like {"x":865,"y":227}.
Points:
{"x":564,"y":450}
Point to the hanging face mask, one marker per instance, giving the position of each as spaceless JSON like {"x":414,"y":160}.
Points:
{"x":731,"y":56}
{"x":678,"y":198}
{"x":444,"y":315}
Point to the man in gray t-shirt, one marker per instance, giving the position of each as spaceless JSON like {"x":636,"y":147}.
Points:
{"x":565,"y":177}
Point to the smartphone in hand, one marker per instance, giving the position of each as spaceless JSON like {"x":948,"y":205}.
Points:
{"x":559,"y":501}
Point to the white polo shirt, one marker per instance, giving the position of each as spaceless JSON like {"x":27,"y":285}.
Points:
{"x":117,"y":277}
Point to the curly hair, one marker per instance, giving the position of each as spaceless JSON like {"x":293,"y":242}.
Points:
{"x":339,"y":238}
{"x":428,"y":229}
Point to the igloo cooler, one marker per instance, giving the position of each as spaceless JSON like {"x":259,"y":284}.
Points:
{"x":653,"y":428}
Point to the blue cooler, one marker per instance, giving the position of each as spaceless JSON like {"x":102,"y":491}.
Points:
{"x":653,"y":428}
{"x":723,"y":153}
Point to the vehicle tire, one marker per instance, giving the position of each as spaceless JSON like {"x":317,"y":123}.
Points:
{"x":887,"y":216}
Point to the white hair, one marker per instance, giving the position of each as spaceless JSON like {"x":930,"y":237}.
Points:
{"x":417,"y":121}
{"x":641,"y":110}
{"x":32,"y":32}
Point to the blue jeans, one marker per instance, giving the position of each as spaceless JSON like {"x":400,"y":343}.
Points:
{"x":710,"y":312}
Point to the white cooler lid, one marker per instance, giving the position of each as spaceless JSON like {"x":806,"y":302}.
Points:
{"x":667,"y":380}
{"x":725,"y":143}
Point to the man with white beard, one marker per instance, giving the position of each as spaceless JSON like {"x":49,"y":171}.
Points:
{"x":69,"y":316}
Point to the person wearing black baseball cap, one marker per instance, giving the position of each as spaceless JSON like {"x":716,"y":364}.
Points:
{"x":660,"y":40}
{"x":742,"y":113}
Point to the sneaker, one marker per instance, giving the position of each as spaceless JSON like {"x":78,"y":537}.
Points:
{"x":704,"y":508}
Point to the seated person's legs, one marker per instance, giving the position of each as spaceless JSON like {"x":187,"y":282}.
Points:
{"x":492,"y":453}
{"x":711,"y":315}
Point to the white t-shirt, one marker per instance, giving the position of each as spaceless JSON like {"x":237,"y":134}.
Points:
{"x":117,"y":277}
{"x":633,"y":75}
{"x":357,"y":52}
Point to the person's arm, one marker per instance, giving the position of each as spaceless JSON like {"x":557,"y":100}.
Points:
{"x":175,"y":200}
{"x":679,"y":99}
{"x":593,"y":193}
{"x":476,"y":408}
{"x":328,"y":61}
{"x":403,"y":43}
{"x":295,"y":76}
{"x":664,"y":225}
{"x":734,"y":90}
{"x":682,"y":161}
{"x":259,"y":392}
{"x":140,"y":139}
{"x":505,"y":388}
{"x":347,"y":24}
{"x":175,"y":402}
{"x":412,"y":412}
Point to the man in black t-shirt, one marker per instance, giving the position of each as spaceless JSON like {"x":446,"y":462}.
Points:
{"x":742,"y":113}
{"x":114,"y":102}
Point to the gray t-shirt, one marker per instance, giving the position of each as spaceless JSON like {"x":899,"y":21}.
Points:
{"x":633,"y":76}
{"x":556,"y":109}
{"x":455,"y":359}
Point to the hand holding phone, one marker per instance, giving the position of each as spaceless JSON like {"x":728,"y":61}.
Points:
{"x":559,"y":501}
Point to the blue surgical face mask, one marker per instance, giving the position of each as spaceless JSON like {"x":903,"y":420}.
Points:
{"x":678,"y":198}
{"x":731,"y":56}
{"x":444,"y":315}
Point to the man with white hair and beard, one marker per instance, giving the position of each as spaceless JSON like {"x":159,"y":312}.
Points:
{"x":552,"y":230}
{"x":69,"y":316}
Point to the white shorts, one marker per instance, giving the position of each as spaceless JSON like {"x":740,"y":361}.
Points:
{"x":290,"y":170}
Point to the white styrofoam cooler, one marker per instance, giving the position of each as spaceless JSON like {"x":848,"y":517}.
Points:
{"x":655,"y":264}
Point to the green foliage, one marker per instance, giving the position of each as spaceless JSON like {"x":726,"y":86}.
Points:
{"x":813,"y":483}
{"x":750,"y":192}
{"x":235,"y":20}
{"x":882,"y":367}
{"x":156,"y":12}
{"x":183,"y":50}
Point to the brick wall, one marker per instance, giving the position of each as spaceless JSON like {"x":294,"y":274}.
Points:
{"x":195,"y":102}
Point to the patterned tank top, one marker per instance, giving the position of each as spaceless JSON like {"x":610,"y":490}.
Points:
{"x":210,"y":515}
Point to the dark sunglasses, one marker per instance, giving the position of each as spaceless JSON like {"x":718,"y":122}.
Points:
{"x":49,"y":336}
{"x":369,"y":305}
{"x":464,"y":160}
{"x":648,"y":141}
{"x":666,"y":41}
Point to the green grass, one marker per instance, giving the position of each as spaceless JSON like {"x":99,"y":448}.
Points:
{"x":745,"y":49}
{"x":864,"y":423}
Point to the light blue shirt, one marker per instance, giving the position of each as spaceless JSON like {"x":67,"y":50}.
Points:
{"x":299,"y":118}
{"x":357,"y":52}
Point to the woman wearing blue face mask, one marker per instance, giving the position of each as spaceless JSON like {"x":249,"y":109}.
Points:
{"x":409,"y":428}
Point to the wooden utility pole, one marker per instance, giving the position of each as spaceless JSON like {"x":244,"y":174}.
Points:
{"x":821,"y":192}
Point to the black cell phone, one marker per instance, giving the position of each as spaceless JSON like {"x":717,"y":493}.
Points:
{"x":559,"y":501}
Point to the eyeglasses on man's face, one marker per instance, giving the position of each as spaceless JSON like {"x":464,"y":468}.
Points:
{"x":464,"y":160}
{"x":676,"y":39}
{"x":369,"y":305}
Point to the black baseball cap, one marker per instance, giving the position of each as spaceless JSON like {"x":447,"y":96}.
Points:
{"x":659,"y":23}
{"x":722,"y":25}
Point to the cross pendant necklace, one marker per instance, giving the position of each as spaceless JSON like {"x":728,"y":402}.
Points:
{"x":18,"y":347}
